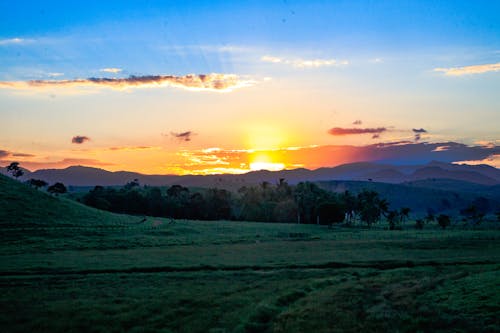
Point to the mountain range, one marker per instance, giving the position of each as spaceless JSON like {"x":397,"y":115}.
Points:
{"x":363,"y":171}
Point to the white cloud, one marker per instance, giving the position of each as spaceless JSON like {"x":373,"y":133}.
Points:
{"x":304,"y":63}
{"x":111,"y":70}
{"x":15,"y":41}
{"x":467,"y":70}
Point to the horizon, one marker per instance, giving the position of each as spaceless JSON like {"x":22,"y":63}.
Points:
{"x":229,"y":88}
{"x":251,"y":171}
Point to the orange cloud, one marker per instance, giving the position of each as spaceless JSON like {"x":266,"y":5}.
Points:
{"x":209,"y":82}
{"x":467,"y":70}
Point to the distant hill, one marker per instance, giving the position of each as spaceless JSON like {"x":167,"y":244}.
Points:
{"x":363,"y":171}
{"x":21,"y":205}
{"x":443,"y":196}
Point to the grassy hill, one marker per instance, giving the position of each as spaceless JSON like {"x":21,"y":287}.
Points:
{"x":69,"y":268}
{"x":21,"y":205}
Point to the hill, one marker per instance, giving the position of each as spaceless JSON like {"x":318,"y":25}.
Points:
{"x":443,"y":195}
{"x":21,"y":205}
{"x":362,"y":171}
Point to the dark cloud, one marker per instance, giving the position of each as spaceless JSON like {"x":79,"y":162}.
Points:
{"x":417,"y":137}
{"x":79,"y":139}
{"x":357,"y":122}
{"x":375,"y":136}
{"x":214,"y":81}
{"x":4,"y":153}
{"x":22,"y":155}
{"x":183,"y":136}
{"x":338,"y":131}
{"x":419,"y":130}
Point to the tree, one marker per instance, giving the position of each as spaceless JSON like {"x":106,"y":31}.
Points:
{"x":132,"y":184}
{"x":419,"y":224}
{"x":393,"y":219}
{"x":404,"y":214}
{"x":443,"y":221}
{"x":371,"y":206}
{"x":15,"y":170}
{"x":331,"y":212}
{"x":57,"y":188}
{"x":37,"y":183}
{"x":473,"y":214}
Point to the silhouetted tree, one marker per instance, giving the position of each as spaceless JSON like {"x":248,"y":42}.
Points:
{"x":15,"y":170}
{"x":473,"y":214}
{"x":37,"y":183}
{"x":218,"y":204}
{"x":371,"y":206}
{"x":404,"y":214}
{"x":132,"y":184}
{"x":419,"y":224}
{"x":57,"y":188}
{"x":443,"y":221}
{"x":331,"y":212}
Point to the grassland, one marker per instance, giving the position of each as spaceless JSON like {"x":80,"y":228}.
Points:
{"x":68,"y":268}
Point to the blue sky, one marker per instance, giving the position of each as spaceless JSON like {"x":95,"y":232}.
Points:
{"x":292,"y":70}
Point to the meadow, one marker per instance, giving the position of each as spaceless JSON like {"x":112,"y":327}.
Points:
{"x":83,"y":270}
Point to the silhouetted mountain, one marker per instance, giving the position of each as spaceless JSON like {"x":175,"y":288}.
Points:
{"x":434,"y":172}
{"x":364,"y":171}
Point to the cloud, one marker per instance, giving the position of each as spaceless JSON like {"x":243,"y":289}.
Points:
{"x":79,"y":139}
{"x":440,"y":148}
{"x":418,"y":133}
{"x":22,"y":155}
{"x":357,"y":122}
{"x":313,"y":157}
{"x":14,"y":41}
{"x":304,"y":63}
{"x":493,"y":160}
{"x":134,"y":148}
{"x":375,"y":136}
{"x":467,"y":70}
{"x":55,"y":74}
{"x":338,"y":131}
{"x":110,"y":70}
{"x":198,"y":82}
{"x":6,"y":153}
{"x":183,"y":136}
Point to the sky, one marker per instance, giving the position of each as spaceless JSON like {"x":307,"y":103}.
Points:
{"x":204,"y":87}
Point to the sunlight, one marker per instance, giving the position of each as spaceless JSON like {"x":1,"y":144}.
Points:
{"x":256,"y":166}
{"x":265,"y":161}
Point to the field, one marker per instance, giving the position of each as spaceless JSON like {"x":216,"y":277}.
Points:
{"x":112,"y":273}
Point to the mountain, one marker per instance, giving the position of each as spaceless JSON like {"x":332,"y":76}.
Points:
{"x":363,"y":171}
{"x":438,"y":196}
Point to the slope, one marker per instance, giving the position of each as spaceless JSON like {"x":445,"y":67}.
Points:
{"x":21,"y":206}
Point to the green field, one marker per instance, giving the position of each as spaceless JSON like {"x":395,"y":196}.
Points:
{"x":69,"y":268}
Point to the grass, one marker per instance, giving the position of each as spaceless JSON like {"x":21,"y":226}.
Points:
{"x":91,"y":271}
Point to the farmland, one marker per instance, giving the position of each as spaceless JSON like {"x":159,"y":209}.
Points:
{"x":116,"y":273}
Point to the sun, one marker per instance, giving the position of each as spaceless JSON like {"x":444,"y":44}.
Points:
{"x":256,"y":166}
{"x":263,"y":160}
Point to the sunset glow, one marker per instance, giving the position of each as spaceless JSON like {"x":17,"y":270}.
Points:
{"x":187,"y":88}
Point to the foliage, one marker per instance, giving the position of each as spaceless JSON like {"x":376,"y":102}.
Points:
{"x":37,"y":183}
{"x":443,"y":221}
{"x":57,"y":188}
{"x":371,"y":206}
{"x":14,"y":169}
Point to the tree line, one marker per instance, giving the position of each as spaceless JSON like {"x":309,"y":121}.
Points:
{"x":304,"y":203}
